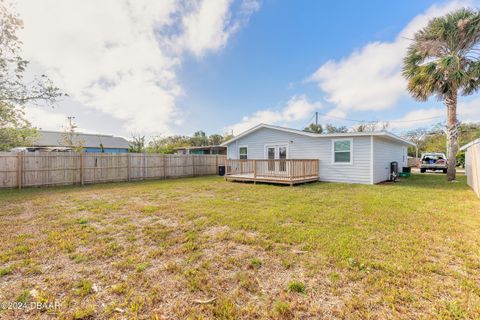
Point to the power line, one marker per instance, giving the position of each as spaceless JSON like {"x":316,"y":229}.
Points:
{"x":356,"y":120}
{"x":415,"y":120}
{"x":309,"y":121}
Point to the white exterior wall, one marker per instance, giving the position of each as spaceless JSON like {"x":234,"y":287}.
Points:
{"x":472,"y":167}
{"x":304,"y":147}
{"x":232,"y":151}
{"x":384,"y":152}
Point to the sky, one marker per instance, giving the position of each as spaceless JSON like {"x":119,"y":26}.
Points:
{"x":161,"y":67}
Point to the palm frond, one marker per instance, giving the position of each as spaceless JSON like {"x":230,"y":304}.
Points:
{"x":443,"y":56}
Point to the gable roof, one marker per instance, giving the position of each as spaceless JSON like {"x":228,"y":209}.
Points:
{"x":385,"y":134}
{"x":468,"y":145}
{"x":55,"y":139}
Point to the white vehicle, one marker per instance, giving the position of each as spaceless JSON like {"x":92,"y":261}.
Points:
{"x":433,"y":161}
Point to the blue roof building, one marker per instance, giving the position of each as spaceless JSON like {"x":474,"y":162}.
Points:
{"x":91,"y":142}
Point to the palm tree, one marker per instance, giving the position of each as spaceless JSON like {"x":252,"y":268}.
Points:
{"x":443,"y":60}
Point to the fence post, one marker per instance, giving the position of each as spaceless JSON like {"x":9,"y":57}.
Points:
{"x":19,"y":169}
{"x":226,"y":162}
{"x":143,"y":165}
{"x":193,"y":164}
{"x":82,"y":169}
{"x":165,"y":166}
{"x":128,"y":166}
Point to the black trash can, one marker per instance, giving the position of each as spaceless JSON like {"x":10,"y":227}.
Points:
{"x":221,"y":170}
{"x":393,"y":170}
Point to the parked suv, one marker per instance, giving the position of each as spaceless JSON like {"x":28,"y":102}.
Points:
{"x":433,"y":161}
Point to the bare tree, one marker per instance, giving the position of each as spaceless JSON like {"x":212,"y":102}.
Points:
{"x":137,"y":144}
{"x":371,"y":126}
{"x":71,"y":138}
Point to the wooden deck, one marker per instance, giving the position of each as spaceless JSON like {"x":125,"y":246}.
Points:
{"x":288,"y":171}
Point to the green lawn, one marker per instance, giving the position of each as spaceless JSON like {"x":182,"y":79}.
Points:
{"x":204,"y":248}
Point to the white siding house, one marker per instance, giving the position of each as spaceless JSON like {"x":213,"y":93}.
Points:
{"x":343,"y":157}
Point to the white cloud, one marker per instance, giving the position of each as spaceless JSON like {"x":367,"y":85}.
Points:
{"x":469,"y":111}
{"x":418,"y":118}
{"x":121,"y":57}
{"x":297,"y":108}
{"x":45,"y":119}
{"x":210,"y":24}
{"x":370,"y":78}
{"x":205,"y":26}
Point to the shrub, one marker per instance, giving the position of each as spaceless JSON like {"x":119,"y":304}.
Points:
{"x":296,"y":286}
{"x":87,"y":312}
{"x":282,"y":308}
{"x":256,"y":263}
{"x":84,"y":287}
{"x":5,"y":271}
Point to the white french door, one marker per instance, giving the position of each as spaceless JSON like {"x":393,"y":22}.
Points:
{"x":276,"y":152}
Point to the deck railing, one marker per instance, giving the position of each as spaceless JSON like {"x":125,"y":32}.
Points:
{"x":278,"y":169}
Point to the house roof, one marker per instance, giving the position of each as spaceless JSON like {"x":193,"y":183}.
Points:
{"x":385,"y":134}
{"x":55,"y":139}
{"x":468,"y":145}
{"x":199,"y":147}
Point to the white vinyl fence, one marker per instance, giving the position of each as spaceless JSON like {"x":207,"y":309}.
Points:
{"x":472,"y":167}
{"x":27,"y":169}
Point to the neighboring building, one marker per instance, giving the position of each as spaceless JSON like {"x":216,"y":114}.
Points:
{"x":472,"y":164}
{"x":202,"y":150}
{"x":91,"y":142}
{"x":362,"y":157}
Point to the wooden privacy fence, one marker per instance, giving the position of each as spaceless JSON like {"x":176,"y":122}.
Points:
{"x":65,"y":168}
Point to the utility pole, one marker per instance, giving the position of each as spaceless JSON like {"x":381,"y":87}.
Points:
{"x":316,"y":118}
{"x":70,"y":121}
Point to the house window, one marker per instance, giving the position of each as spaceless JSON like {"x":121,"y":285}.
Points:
{"x":243,"y":151}
{"x":342,"y":151}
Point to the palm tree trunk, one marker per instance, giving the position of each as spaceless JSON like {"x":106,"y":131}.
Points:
{"x":452,"y":134}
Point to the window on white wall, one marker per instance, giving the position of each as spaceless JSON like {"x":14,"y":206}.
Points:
{"x":342,"y":151}
{"x":243,"y":152}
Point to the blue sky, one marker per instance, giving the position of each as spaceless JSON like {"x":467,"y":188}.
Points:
{"x":174,"y":67}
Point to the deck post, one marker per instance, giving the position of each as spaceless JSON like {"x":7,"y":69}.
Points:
{"x":303,"y":169}
{"x":254,"y":169}
{"x":292,"y":167}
